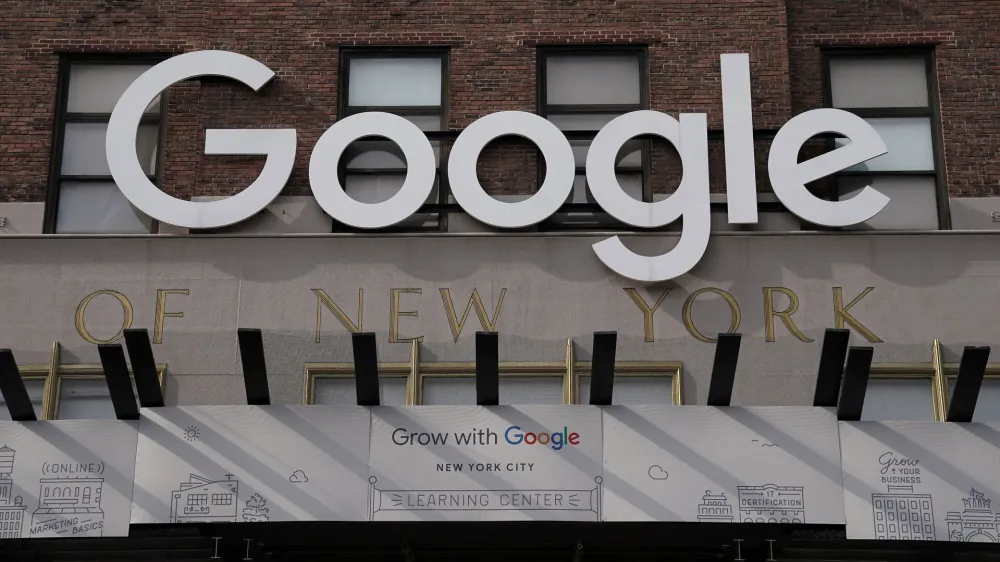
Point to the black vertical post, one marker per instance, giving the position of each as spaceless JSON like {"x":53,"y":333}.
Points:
{"x":254,"y":368}
{"x":971,"y":371}
{"x":727,"y":355}
{"x":852,"y":393}
{"x":831,"y":367}
{"x":366,"y":368}
{"x":14,"y":392}
{"x":487,"y":369}
{"x":602,"y":369}
{"x":119,"y":382}
{"x":140,"y":353}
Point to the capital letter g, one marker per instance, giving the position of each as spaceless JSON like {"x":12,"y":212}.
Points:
{"x":278,"y":145}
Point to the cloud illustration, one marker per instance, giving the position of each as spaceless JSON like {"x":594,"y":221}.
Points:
{"x":298,"y":477}
{"x":656,"y":472}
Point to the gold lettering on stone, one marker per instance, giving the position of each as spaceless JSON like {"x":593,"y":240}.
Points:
{"x":785,"y":315}
{"x":474,"y":301}
{"x":323,"y":299}
{"x":81,"y":310}
{"x":647,"y":311}
{"x":841,"y":314}
{"x":734,"y":308}
{"x":161,"y":314}
{"x":395,"y":313}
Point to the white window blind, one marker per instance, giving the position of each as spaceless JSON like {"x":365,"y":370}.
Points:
{"x":88,"y":199}
{"x":892,"y":95}
{"x":898,"y":399}
{"x":344,"y":391}
{"x":36,"y":390}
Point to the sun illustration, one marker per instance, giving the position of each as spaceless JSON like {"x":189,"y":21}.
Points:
{"x":192,"y":433}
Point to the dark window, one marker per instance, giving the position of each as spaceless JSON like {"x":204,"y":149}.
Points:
{"x":581,"y":90}
{"x":893,"y":91}
{"x":411,"y":83}
{"x":82,"y":195}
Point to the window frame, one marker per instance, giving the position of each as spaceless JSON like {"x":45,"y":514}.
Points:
{"x":63,"y":117}
{"x":543,"y":53}
{"x":909,"y":372}
{"x":951,"y":375}
{"x":315,"y":372}
{"x":932,"y":111}
{"x":344,"y":109}
{"x":54,"y":373}
{"x":78,"y":372}
{"x":507,"y":370}
{"x":638,"y":369}
{"x":36,"y":373}
{"x":569,"y":370}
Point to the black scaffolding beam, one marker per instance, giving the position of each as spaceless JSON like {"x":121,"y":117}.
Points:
{"x":119,"y":381}
{"x":487,"y":369}
{"x":366,"y":368}
{"x":727,"y":355}
{"x":971,"y":371}
{"x":251,"y":344}
{"x":831,"y":367}
{"x":14,"y":392}
{"x":852,"y":393}
{"x":602,"y":368}
{"x":140,"y":353}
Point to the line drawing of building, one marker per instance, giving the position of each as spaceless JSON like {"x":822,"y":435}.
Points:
{"x":11,"y":508}
{"x":901,"y":514}
{"x":771,"y":503}
{"x":69,"y":506}
{"x":977,"y":523}
{"x":203,"y":500}
{"x":715,"y":508}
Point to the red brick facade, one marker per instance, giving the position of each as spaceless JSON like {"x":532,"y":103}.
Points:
{"x":492,"y":67}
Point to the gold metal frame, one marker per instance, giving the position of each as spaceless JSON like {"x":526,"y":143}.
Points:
{"x":932,"y":371}
{"x":507,"y":369}
{"x":37,"y":373}
{"x":53,"y":374}
{"x":950,"y":371}
{"x":325,"y":371}
{"x":315,"y":371}
{"x":672,"y":369}
{"x":415,"y":371}
{"x":992,"y":371}
{"x":81,"y":372}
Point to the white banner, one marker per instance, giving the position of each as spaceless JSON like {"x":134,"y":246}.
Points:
{"x":921,"y":480}
{"x":897,"y":480}
{"x":460,"y":463}
{"x":66,"y":478}
{"x":252,"y":464}
{"x":722,"y":465}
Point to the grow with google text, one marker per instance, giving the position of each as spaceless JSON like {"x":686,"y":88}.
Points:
{"x":513,"y":435}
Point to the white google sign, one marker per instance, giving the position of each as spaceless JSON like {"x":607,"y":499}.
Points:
{"x":689,"y":135}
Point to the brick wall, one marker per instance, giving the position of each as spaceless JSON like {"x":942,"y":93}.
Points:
{"x":965,"y":35}
{"x":492,"y":62}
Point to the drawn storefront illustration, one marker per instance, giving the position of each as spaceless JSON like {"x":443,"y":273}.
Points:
{"x":69,"y":506}
{"x":11,"y":508}
{"x":203,"y":500}
{"x":715,"y":508}
{"x":772,"y":504}
{"x":977,"y":523}
{"x":901,"y":514}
